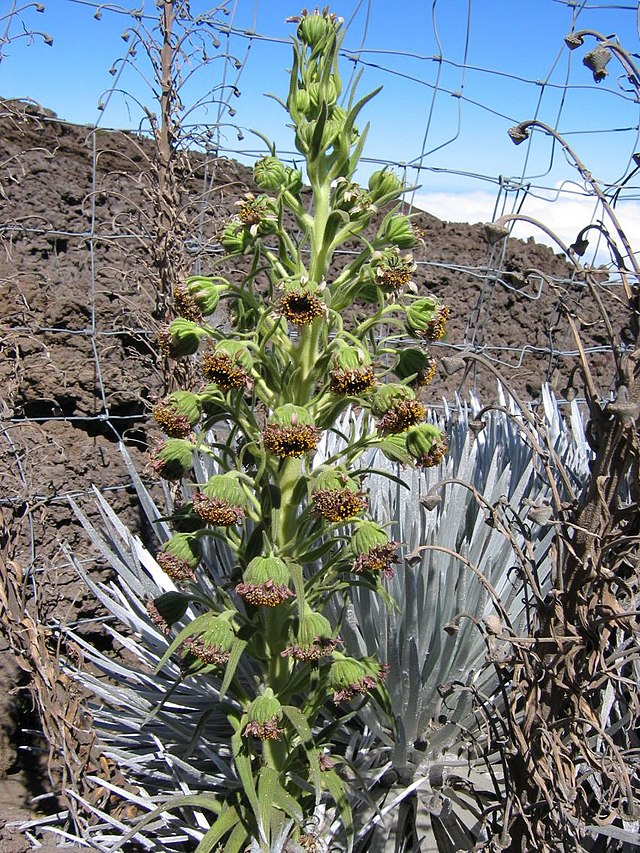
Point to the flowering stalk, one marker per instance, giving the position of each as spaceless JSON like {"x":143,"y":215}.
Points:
{"x":278,"y":378}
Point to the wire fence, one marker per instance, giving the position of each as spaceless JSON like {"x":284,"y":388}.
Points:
{"x":73,"y":237}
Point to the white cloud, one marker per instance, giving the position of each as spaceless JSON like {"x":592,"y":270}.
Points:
{"x":565,"y":215}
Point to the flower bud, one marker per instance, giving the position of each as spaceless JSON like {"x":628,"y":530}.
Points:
{"x":264,"y":714}
{"x":314,"y":639}
{"x":174,"y":459}
{"x":213,"y":645}
{"x":336,"y":497}
{"x":386,"y":396}
{"x":385,"y":183}
{"x":181,"y":337}
{"x":316,"y":27}
{"x":372,"y":550}
{"x":427,"y":444}
{"x":349,"y":677}
{"x":399,"y":232}
{"x":235,"y":239}
{"x":221,"y":501}
{"x":264,"y":582}
{"x":170,"y":607}
{"x":417,"y":363}
{"x":205,"y":292}
{"x":426,"y":318}
{"x":302,"y":101}
{"x":351,"y":357}
{"x":270,"y":173}
{"x":180,"y":555}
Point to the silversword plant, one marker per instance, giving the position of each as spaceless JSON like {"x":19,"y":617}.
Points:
{"x":305,"y":339}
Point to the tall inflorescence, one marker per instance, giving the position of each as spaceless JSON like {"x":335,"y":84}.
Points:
{"x":289,"y":365}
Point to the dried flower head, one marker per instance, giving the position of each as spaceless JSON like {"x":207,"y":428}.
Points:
{"x":216,"y":511}
{"x":156,"y":617}
{"x":338,"y":504}
{"x":175,"y":567}
{"x":350,"y":678}
{"x":264,"y":714}
{"x":401,"y":416}
{"x":352,"y":383}
{"x":207,"y":653}
{"x":185,"y":305}
{"x":228,"y":365}
{"x":170,"y":420}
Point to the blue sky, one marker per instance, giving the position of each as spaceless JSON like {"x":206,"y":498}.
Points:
{"x":451,"y":120}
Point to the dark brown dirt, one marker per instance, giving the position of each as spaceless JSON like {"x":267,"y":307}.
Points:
{"x":78,"y":362}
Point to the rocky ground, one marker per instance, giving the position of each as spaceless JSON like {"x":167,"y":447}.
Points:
{"x":78,"y":365}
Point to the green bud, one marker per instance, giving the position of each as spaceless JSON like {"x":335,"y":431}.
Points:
{"x":290,"y":415}
{"x":182,"y":337}
{"x":399,"y":231}
{"x":313,"y":625}
{"x":385,"y":183}
{"x":265,"y":708}
{"x":345,"y":672}
{"x":387,"y":395}
{"x":427,"y":444}
{"x":262,"y":570}
{"x":302,"y":101}
{"x":351,"y":358}
{"x":171,"y":606}
{"x":187,"y":404}
{"x":270,"y":173}
{"x":316,"y":27}
{"x":294,"y":180}
{"x":367,"y":535}
{"x":237,"y":350}
{"x":418,"y":363}
{"x":426,"y":318}
{"x":185,"y":547}
{"x":174,"y":459}
{"x":235,"y":239}
{"x":205,"y":292}
{"x":225,"y":487}
{"x":218,"y":632}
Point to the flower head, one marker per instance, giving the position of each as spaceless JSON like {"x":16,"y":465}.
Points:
{"x":427,"y":318}
{"x":177,"y":414}
{"x":352,"y":374}
{"x":213,"y":645}
{"x":300,"y":303}
{"x":181,"y":337}
{"x":185,"y":305}
{"x":204,"y":293}
{"x":372,"y":550}
{"x":336,"y":497}
{"x":180,"y":556}
{"x":264,"y":715}
{"x":257,"y":214}
{"x":393,"y":271}
{"x":349,"y":677}
{"x":314,"y":639}
{"x":401,"y":416}
{"x":427,"y":445}
{"x":314,"y":28}
{"x":173,"y":459}
{"x":221,"y":501}
{"x":290,"y":432}
{"x":264,"y":582}
{"x":418,"y":364}
{"x":228,"y":366}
